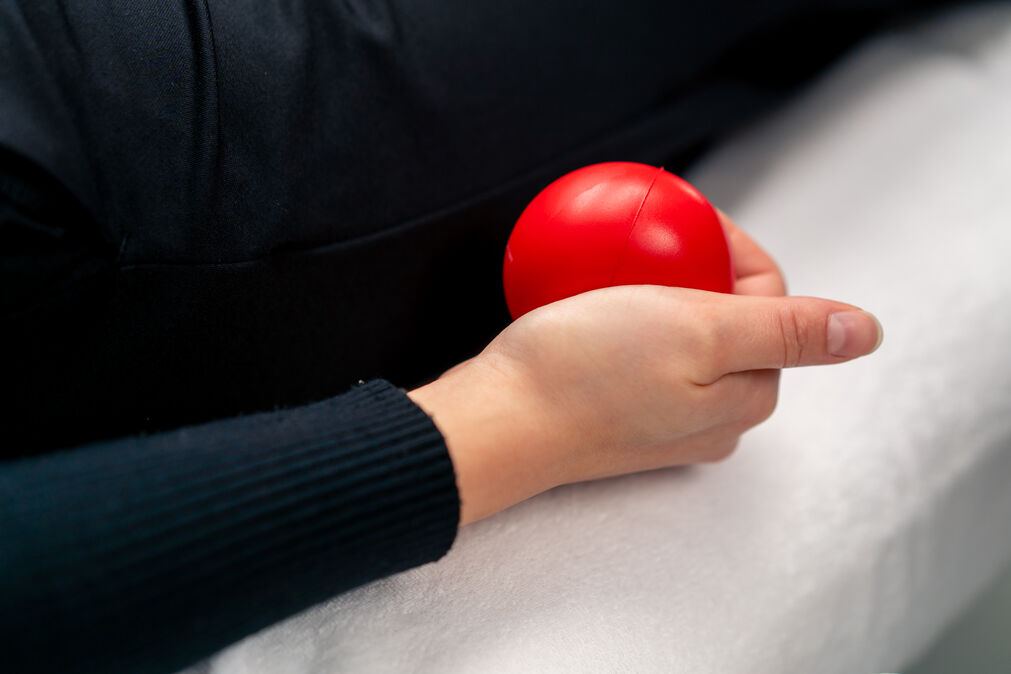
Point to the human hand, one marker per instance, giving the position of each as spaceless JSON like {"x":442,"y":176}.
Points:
{"x":631,"y":378}
{"x":756,"y":273}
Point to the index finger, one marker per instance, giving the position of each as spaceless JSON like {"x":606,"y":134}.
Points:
{"x":755,"y":270}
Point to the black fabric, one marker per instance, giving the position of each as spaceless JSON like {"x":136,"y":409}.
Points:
{"x":148,"y":553}
{"x":290,"y":197}
{"x":214,"y":208}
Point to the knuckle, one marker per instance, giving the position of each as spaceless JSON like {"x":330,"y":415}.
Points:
{"x":793,"y":332}
{"x":723,"y":450}
{"x":783,"y":285}
{"x":708,"y":348}
{"x":763,"y":406}
{"x":705,"y":333}
{"x":760,"y":402}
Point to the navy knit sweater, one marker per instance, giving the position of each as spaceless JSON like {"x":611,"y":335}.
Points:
{"x":147,"y":553}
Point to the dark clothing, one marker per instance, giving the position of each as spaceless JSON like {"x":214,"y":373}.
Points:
{"x":268,"y":201}
{"x":216,"y":208}
{"x":145,"y":554}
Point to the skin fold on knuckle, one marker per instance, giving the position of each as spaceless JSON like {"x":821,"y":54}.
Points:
{"x":705,"y":351}
{"x":793,"y":334}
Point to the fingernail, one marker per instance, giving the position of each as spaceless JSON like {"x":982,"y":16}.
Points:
{"x":853,"y":333}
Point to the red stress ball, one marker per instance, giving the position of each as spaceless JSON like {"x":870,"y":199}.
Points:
{"x":614,"y":224}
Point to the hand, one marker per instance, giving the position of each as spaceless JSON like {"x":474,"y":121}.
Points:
{"x":631,"y":378}
{"x":756,"y":272}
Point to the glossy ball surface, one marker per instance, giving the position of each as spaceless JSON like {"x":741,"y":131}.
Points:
{"x":614,"y":224}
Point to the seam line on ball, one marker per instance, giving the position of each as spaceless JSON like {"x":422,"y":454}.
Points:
{"x":631,"y":229}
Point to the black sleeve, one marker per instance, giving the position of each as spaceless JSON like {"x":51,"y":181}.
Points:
{"x":147,"y":553}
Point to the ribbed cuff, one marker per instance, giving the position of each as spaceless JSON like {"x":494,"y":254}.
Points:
{"x":146,"y":554}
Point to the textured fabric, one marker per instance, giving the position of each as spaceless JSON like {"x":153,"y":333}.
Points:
{"x":855,"y":523}
{"x":146,"y":554}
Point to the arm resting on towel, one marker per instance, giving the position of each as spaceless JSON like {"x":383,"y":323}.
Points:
{"x":147,"y":553}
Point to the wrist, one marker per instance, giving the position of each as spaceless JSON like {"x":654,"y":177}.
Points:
{"x":499,"y":441}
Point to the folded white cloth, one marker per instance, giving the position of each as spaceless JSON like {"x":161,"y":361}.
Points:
{"x":854,"y":525}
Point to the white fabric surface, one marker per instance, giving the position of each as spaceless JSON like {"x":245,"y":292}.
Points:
{"x":857,"y":522}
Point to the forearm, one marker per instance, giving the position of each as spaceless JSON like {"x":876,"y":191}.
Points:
{"x":146,"y":554}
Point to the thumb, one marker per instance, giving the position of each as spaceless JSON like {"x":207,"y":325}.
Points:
{"x":758,"y":333}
